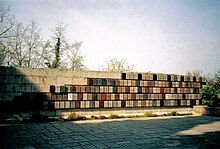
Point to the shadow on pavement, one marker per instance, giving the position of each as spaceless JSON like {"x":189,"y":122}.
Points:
{"x":161,"y":132}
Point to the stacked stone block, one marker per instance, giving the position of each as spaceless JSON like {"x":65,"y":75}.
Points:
{"x":131,"y":90}
{"x":15,"y":81}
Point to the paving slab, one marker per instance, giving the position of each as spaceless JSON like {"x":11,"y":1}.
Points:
{"x":158,"y":132}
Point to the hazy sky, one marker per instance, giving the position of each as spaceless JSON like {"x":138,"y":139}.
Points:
{"x":167,"y":36}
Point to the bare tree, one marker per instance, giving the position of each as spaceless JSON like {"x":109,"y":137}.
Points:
{"x":197,"y":73}
{"x":16,"y":56}
{"x":75,"y":57}
{"x":116,"y":65}
{"x":23,"y":45}
{"x":64,"y":54}
{"x":54,"y":53}
{"x":34,"y":45}
{"x":217,"y":76}
{"x":217,"y":79}
{"x":6,"y":24}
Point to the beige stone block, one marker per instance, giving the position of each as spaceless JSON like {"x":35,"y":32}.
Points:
{"x":18,"y":79}
{"x":27,"y":87}
{"x":2,"y":88}
{"x":79,"y":81}
{"x":1,"y":96}
{"x":10,"y":96}
{"x":48,"y":80}
{"x":34,"y":88}
{"x":8,"y":87}
{"x":31,"y":71}
{"x":62,"y":72}
{"x":3,"y":70}
{"x":1,"y":79}
{"x":64,"y":80}
{"x":8,"y":71}
{"x":13,"y":79}
{"x":8,"y":79}
{"x":32,"y":79}
{"x":18,"y":88}
{"x":43,"y":88}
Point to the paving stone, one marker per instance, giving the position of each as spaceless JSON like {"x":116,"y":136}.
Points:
{"x":89,"y":147}
{"x":54,"y":141}
{"x":78,"y":147}
{"x":84,"y":143}
{"x":100,"y":145}
{"x":178,"y":132}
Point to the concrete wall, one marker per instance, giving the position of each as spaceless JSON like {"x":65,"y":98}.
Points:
{"x":15,"y":80}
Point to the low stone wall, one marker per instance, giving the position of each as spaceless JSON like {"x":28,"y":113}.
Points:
{"x":205,"y":110}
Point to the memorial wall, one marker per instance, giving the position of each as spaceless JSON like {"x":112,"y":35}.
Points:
{"x":50,"y":89}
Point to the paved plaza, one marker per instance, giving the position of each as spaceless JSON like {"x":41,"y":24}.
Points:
{"x":157,"y":132}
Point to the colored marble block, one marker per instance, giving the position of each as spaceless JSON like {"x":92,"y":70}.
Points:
{"x":133,"y":90}
{"x":52,"y":88}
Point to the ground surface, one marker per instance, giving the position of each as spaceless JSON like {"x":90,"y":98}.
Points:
{"x":159,"y":132}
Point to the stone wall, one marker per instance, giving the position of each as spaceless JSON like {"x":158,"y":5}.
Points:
{"x":15,"y":80}
{"x":57,"y":89}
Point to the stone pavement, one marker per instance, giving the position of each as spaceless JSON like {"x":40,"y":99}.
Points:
{"x":158,"y":132}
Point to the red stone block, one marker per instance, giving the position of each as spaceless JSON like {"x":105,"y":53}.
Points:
{"x":90,"y":82}
{"x":65,"y":96}
{"x":73,"y":89}
{"x":127,"y":89}
{"x":80,"y":96}
{"x":143,"y":103}
{"x":77,"y":104}
{"x":175,"y":90}
{"x":133,"y":96}
{"x":101,"y":104}
{"x":108,"y":96}
{"x":103,"y":96}
{"x":116,"y":96}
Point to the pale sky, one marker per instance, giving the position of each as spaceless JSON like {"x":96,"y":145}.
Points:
{"x":161,"y":36}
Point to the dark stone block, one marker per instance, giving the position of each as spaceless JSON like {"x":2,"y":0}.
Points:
{"x":182,"y":78}
{"x":104,"y":82}
{"x":168,"y":78}
{"x":139,"y":76}
{"x":123,"y":76}
{"x":154,"y":77}
{"x":52,"y":89}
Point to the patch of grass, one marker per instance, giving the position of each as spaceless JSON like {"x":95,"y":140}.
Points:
{"x":149,"y":114}
{"x":113,"y":116}
{"x":173,"y":113}
{"x":92,"y":117}
{"x":73,"y":117}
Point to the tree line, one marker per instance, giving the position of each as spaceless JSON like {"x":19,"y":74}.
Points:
{"x":23,"y":45}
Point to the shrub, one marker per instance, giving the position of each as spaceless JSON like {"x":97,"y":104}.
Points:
{"x":101,"y":117}
{"x":173,"y":113}
{"x":209,"y":96}
{"x":149,"y":114}
{"x":92,"y":117}
{"x":73,"y":116}
{"x":113,"y":116}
